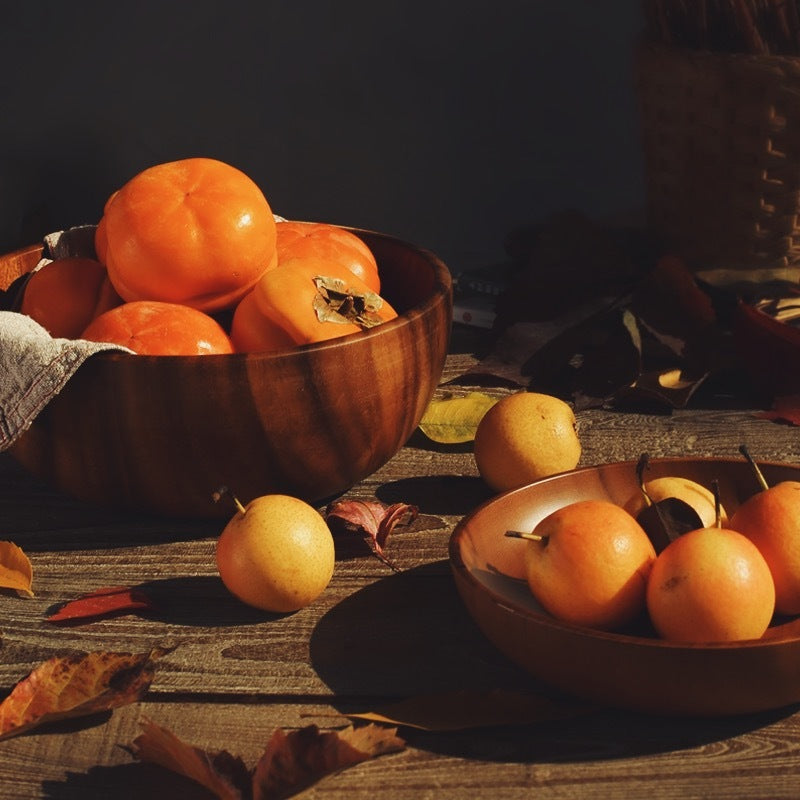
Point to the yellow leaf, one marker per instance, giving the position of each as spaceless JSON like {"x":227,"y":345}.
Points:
{"x":16,"y":571}
{"x":455,"y":419}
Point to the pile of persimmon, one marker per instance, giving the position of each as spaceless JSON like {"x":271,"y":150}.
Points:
{"x":662,"y":559}
{"x":190,"y":260}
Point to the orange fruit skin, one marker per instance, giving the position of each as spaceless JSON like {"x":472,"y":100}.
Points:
{"x":591,"y":568}
{"x":196,"y":231}
{"x":329,"y":242}
{"x":154,"y":328}
{"x":65,"y":295}
{"x":771,"y":520}
{"x":286,"y":296}
{"x":278,"y":555}
{"x":252,"y":332}
{"x":710,"y":585}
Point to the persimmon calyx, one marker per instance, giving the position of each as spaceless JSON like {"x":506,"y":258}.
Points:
{"x":336,"y":302}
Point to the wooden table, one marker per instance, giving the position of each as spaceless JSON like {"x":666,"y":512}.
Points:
{"x":375,"y":635}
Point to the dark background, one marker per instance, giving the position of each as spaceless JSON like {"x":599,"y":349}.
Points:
{"x":445,"y":123}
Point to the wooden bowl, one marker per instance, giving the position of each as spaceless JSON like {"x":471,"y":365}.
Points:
{"x":637,"y":672}
{"x":161,"y":433}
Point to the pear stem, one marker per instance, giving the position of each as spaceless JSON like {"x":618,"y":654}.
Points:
{"x":759,"y":474}
{"x":222,"y":492}
{"x":717,"y":504}
{"x":531,"y":537}
{"x":641,"y":466}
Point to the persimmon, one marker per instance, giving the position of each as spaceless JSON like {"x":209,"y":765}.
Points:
{"x":66,"y":294}
{"x":710,"y":585}
{"x":151,"y":327}
{"x":196,"y":231}
{"x":252,"y":332}
{"x":313,"y":300}
{"x":322,"y":240}
{"x":100,"y":241}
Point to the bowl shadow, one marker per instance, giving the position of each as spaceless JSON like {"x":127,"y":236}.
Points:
{"x":409,"y":635}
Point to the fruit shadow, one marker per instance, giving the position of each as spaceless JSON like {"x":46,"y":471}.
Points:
{"x":408,"y":635}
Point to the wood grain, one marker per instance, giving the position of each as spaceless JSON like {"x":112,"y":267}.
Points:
{"x":373,"y":636}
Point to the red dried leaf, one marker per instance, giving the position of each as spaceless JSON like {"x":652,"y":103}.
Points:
{"x":784,"y":409}
{"x":103,"y":602}
{"x":296,"y":760}
{"x":16,"y":571}
{"x":371,"y":519}
{"x":74,"y":686}
{"x":221,"y":773}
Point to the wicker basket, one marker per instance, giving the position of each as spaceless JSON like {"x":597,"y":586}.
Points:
{"x":721,"y":145}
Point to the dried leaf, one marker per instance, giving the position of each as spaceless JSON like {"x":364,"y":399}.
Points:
{"x":221,"y":773}
{"x":454,"y":420}
{"x":667,"y":519}
{"x":592,"y":362}
{"x":102,"y":603}
{"x":296,"y":760}
{"x":784,"y":409}
{"x":369,"y":518}
{"x":290,"y":763}
{"x":464,"y":710}
{"x":16,"y":571}
{"x":74,"y":686}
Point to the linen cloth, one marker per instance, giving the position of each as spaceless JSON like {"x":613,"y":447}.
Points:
{"x":34,"y":366}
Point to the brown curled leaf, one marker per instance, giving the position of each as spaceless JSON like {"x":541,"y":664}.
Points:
{"x":16,"y":571}
{"x":224,"y":775}
{"x":103,"y":602}
{"x":74,"y":686}
{"x":371,"y":519}
{"x":296,"y":760}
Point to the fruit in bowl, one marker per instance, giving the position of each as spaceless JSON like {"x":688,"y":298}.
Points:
{"x":159,"y":433}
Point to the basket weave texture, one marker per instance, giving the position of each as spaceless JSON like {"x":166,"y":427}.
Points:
{"x":721,"y":147}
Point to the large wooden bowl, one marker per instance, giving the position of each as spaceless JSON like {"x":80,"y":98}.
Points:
{"x":638,"y":672}
{"x":160,"y":434}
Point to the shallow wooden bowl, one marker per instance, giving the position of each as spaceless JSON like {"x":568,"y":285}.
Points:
{"x":638,"y":672}
{"x":160,"y":434}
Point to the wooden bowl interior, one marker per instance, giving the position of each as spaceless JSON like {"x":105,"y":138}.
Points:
{"x":637,"y":672}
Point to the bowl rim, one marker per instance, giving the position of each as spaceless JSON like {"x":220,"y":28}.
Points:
{"x":771,"y":639}
{"x":441,"y":292}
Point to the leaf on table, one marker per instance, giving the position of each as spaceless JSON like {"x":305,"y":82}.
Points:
{"x":292,"y":761}
{"x":74,"y":686}
{"x":224,"y":775}
{"x":463,"y":710}
{"x":590,"y":363}
{"x":296,"y":760}
{"x":785,"y":408}
{"x":370,"y":519}
{"x":454,"y":420}
{"x":16,"y":571}
{"x":109,"y":600}
{"x":671,"y":386}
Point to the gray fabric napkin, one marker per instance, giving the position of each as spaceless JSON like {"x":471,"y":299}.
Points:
{"x":34,"y":367}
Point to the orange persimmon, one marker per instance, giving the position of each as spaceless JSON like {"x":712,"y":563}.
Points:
{"x":196,"y":231}
{"x":151,"y":327}
{"x":252,"y":332}
{"x":322,"y":240}
{"x":313,"y":299}
{"x":66,"y":294}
